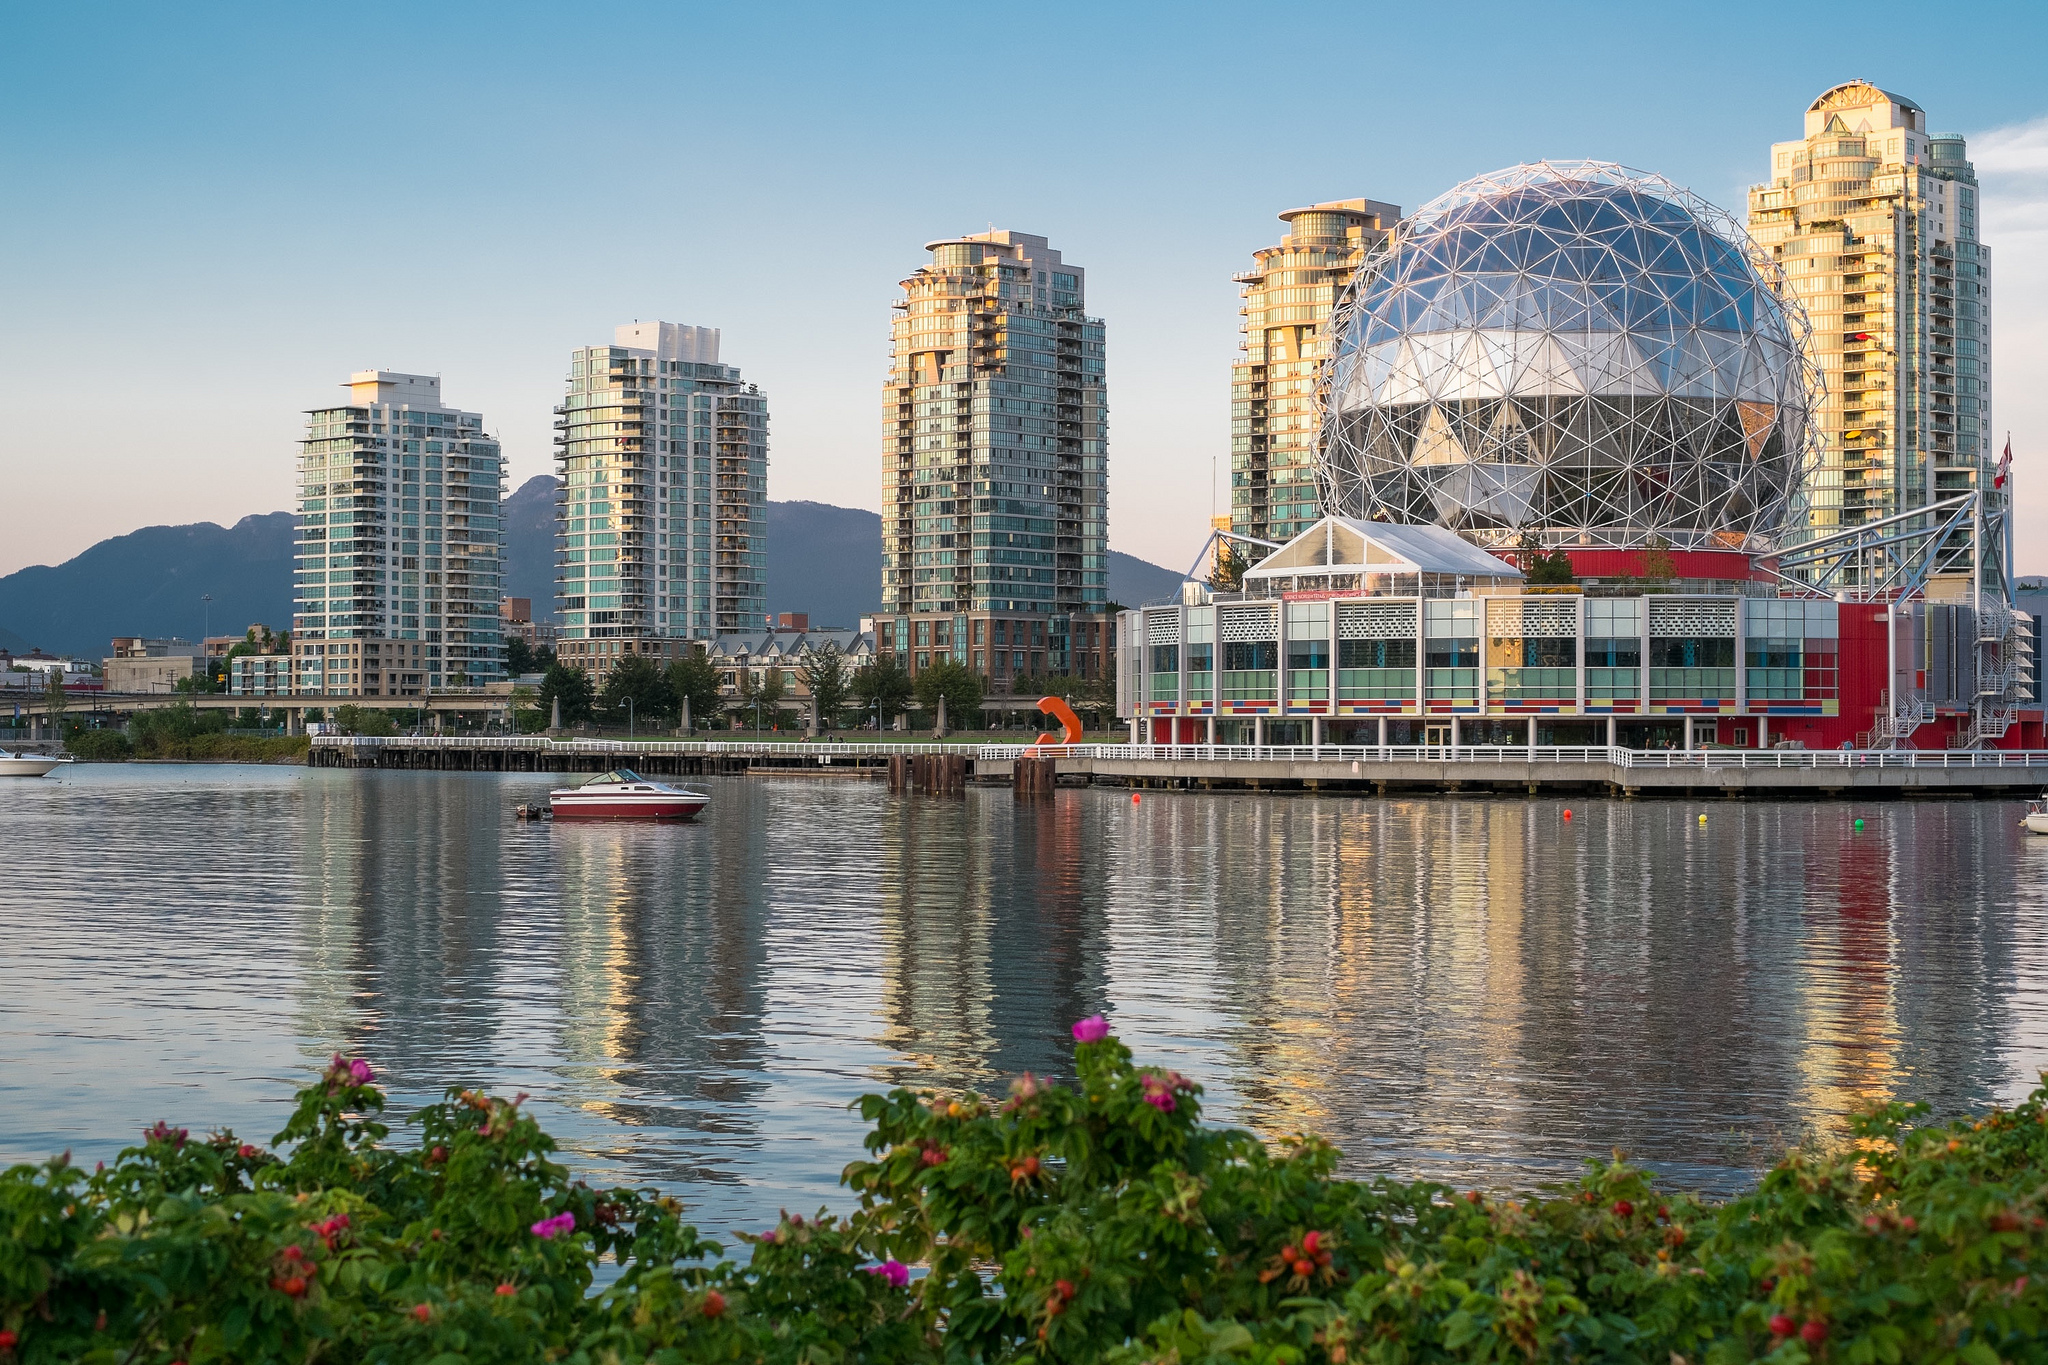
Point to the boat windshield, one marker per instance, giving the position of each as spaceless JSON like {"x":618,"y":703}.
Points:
{"x":615,"y":775}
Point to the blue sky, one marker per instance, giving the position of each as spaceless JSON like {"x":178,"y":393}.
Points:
{"x":214,"y":213}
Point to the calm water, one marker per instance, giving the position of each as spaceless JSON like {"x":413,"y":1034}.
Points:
{"x":1472,"y":989}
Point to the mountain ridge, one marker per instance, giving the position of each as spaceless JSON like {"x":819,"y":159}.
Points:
{"x":823,"y":560}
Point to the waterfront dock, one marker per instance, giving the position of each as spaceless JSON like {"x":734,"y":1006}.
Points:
{"x":1200,"y":767}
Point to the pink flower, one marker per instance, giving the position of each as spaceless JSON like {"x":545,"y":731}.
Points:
{"x":359,"y":1071}
{"x":1162,"y":1100}
{"x":549,"y":1228}
{"x":895,"y":1272}
{"x":1093,"y":1029}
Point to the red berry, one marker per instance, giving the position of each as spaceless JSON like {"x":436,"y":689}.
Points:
{"x":1311,"y":1242}
{"x":1031,"y":1165}
{"x":1623,"y":1208}
{"x":7,"y":1339}
{"x":714,"y":1303}
{"x":293,"y":1286}
{"x":1472,"y":1196}
{"x":422,"y":1312}
{"x":1304,"y":1268}
{"x":1814,"y":1333}
{"x":1782,"y":1326}
{"x":506,"y":1291}
{"x":1064,"y":1287}
{"x":1287,"y":1252}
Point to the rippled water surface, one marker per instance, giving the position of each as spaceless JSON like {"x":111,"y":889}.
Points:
{"x":1473,"y":989}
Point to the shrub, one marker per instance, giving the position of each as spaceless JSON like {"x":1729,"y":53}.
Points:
{"x":99,"y":746}
{"x":1091,"y":1222}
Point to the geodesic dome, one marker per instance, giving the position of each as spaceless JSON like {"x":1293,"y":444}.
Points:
{"x":1575,"y":350}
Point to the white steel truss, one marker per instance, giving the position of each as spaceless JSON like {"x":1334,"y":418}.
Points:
{"x":1576,"y":351}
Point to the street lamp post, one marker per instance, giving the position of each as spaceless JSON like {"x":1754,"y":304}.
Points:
{"x":629,"y":717}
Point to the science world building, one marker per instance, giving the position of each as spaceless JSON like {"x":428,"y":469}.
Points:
{"x":1568,"y":420}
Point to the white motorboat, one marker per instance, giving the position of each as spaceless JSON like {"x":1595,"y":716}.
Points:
{"x":623,"y":794}
{"x":2036,"y":818}
{"x":30,"y":765}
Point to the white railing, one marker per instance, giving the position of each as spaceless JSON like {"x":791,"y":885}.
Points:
{"x":690,"y":747}
{"x":1511,"y":755}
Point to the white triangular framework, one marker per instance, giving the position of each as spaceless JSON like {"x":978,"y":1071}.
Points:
{"x":1574,"y":350}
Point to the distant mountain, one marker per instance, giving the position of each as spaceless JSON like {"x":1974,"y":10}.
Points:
{"x":152,"y":582}
{"x":530,"y":543}
{"x":822,"y":559}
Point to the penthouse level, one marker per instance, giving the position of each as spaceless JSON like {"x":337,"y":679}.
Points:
{"x":1364,"y":633}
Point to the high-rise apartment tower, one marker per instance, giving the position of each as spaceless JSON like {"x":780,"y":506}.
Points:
{"x":1875,"y":221}
{"x":400,"y":543}
{"x":660,"y":525}
{"x":1274,"y":417}
{"x":995,"y":512}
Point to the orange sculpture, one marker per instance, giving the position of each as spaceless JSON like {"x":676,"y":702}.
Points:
{"x":1064,"y":714}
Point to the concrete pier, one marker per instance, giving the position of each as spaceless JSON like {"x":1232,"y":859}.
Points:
{"x":1036,"y":769}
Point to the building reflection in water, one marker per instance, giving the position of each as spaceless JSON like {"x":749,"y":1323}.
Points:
{"x":991,"y":925}
{"x":1480,"y":988}
{"x":1473,"y":989}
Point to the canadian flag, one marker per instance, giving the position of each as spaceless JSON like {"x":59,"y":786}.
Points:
{"x":2004,"y":464}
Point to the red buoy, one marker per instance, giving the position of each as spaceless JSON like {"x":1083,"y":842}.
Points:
{"x":1567,"y":812}
{"x":1134,"y":798}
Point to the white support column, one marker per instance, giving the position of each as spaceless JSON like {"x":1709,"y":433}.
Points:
{"x":1212,"y":732}
{"x":1456,"y":738}
{"x":1579,"y":697}
{"x":1315,"y":735}
{"x":1136,"y":721}
{"x":1688,"y":734}
{"x":1763,"y":732}
{"x":1259,"y":731}
{"x":1383,"y":736}
{"x":1610,"y":732}
{"x":1741,"y":654}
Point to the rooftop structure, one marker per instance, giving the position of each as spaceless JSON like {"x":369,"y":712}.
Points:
{"x":1574,"y":352}
{"x":1352,"y":557}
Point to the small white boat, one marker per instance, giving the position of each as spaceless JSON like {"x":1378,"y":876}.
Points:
{"x":2036,"y":818}
{"x":623,"y":794}
{"x":30,"y":765}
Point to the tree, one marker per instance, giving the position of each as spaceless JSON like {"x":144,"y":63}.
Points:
{"x":693,"y":677}
{"x":54,"y":700}
{"x":953,"y":680}
{"x":571,"y":687}
{"x":365,"y":720}
{"x":1228,"y":575}
{"x":1544,"y":566}
{"x":642,"y":680}
{"x":518,"y":656}
{"x":769,"y":696}
{"x":881,"y":684}
{"x":1658,"y":566}
{"x":825,"y":674}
